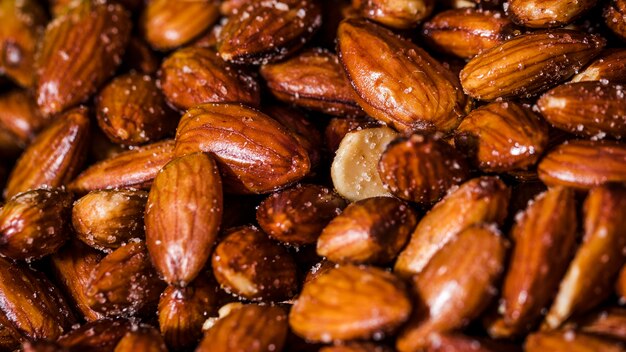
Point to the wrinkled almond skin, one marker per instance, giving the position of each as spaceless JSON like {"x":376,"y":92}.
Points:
{"x":143,"y":338}
{"x":502,"y":137}
{"x":337,"y":128}
{"x":250,"y":265}
{"x":264,"y":32}
{"x":545,"y":13}
{"x":584,"y":164}
{"x":614,"y":13}
{"x":376,"y":62}
{"x":54,"y":157}
{"x":80,"y":50}
{"x":315,"y":80}
{"x":473,"y":261}
{"x":586,"y":108}
{"x":135,"y":168}
{"x":182,"y":311}
{"x":100,"y":335}
{"x":368,"y":300}
{"x":529,"y":64}
{"x":255,"y":153}
{"x":369,"y":231}
{"x":610,"y":66}
{"x":545,"y":238}
{"x":20,"y":117}
{"x":479,"y":200}
{"x":421,"y":169}
{"x":107,"y":219}
{"x":252,"y":328}
{"x":609,"y":323}
{"x":183,"y":216}
{"x":569,"y":341}
{"x":467,"y":32}
{"x":34,"y":224}
{"x":298,"y":215}
{"x":170,"y":24}
{"x":194,"y":75}
{"x":131,"y":110}
{"x":400,"y":14}
{"x":591,"y":274}
{"x":124,"y":282}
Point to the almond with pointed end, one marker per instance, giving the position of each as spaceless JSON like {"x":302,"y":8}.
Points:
{"x":376,"y":62}
{"x":610,"y":65}
{"x":100,"y":335}
{"x":614,"y":17}
{"x":20,"y":117}
{"x":569,"y":341}
{"x":54,"y":157}
{"x":143,"y":338}
{"x":545,"y":14}
{"x":401,"y":14}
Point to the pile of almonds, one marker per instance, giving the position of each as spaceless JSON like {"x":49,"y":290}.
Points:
{"x":313,"y":175}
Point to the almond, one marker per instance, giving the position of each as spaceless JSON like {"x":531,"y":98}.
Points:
{"x":609,"y":323}
{"x":100,"y":335}
{"x":143,"y":338}
{"x":545,"y":14}
{"x":614,"y":13}
{"x":610,"y":65}
{"x":569,"y":341}
{"x":461,"y":343}
{"x":400,"y":14}
{"x":20,"y":117}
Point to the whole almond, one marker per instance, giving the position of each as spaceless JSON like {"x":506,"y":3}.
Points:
{"x":614,"y":13}
{"x":421,"y":169}
{"x":545,"y":14}
{"x":54,"y":157}
{"x":80,"y":50}
{"x":529,"y":64}
{"x":20,"y":117}
{"x":143,"y":338}
{"x":183,"y":216}
{"x":369,"y":231}
{"x":569,"y":341}
{"x":255,"y":153}
{"x":399,"y":14}
{"x":429,"y":98}
{"x":100,"y":335}
{"x":610,"y":65}
{"x":479,"y":200}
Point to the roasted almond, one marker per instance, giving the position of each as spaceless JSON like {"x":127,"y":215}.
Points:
{"x":529,"y":64}
{"x":430,"y":98}
{"x":142,"y":338}
{"x":100,"y":335}
{"x":545,"y":14}
{"x":254,"y":152}
{"x":399,"y":14}
{"x":183,"y":216}
{"x":609,"y":66}
{"x":569,"y":341}
{"x":610,"y":323}
{"x":80,"y":50}
{"x":20,"y":117}
{"x":614,"y":13}
{"x":54,"y":157}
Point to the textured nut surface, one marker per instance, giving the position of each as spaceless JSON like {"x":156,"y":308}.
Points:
{"x":614,"y":17}
{"x":610,"y":65}
{"x":569,"y":341}
{"x":103,"y":334}
{"x":399,"y":14}
{"x":544,"y":14}
{"x":20,"y":117}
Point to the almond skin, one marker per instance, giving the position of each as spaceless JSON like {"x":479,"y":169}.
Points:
{"x":255,"y":154}
{"x":400,"y":14}
{"x":101,"y":335}
{"x":20,"y":116}
{"x":80,"y":51}
{"x":614,"y":17}
{"x":529,"y":64}
{"x":546,"y":14}
{"x":183,"y":216}
{"x":609,"y":323}
{"x":54,"y":157}
{"x":369,"y":231}
{"x":429,"y":98}
{"x":569,"y":341}
{"x":143,"y":338}
{"x":610,"y":66}
{"x":584,"y":164}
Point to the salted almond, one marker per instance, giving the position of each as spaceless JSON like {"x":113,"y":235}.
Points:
{"x":372,"y":56}
{"x":366,"y":300}
{"x":399,"y":14}
{"x":546,"y":14}
{"x":54,"y":157}
{"x":529,"y":64}
{"x":584,"y":164}
{"x":142,"y":338}
{"x":610,"y":65}
{"x":20,"y":117}
{"x":479,"y":200}
{"x":337,"y":128}
{"x":255,"y":153}
{"x":609,"y":323}
{"x":614,"y":13}
{"x":571,"y":341}
{"x":100,"y":335}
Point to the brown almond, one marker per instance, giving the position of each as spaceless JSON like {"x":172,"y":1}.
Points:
{"x":80,"y":50}
{"x":337,"y":128}
{"x":54,"y":157}
{"x":315,"y":80}
{"x":609,"y":323}
{"x":614,"y":13}
{"x":479,"y":200}
{"x":20,"y":117}
{"x":42,"y":346}
{"x":529,"y":64}
{"x":546,"y":14}
{"x":584,"y":164}
{"x":194,"y":75}
{"x":429,"y":98}
{"x":183,"y":216}
{"x":609,"y":66}
{"x":456,"y":286}
{"x":107,"y":219}
{"x":254,"y":152}
{"x":100,"y":335}
{"x":421,"y":169}
{"x":400,"y":14}
{"x":545,"y":238}
{"x":143,"y":338}
{"x":169,"y":24}
{"x":298,"y":215}
{"x":569,"y":341}
{"x":248,"y":264}
{"x":502,"y":136}
{"x":135,"y":168}
{"x":369,"y":231}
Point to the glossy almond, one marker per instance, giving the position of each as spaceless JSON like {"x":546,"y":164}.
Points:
{"x":143,"y":338}
{"x":372,"y":56}
{"x":298,"y":215}
{"x":255,"y":153}
{"x":247,"y":263}
{"x":20,"y":117}
{"x":545,"y":238}
{"x":610,"y":65}
{"x":479,"y":200}
{"x":369,"y":231}
{"x":529,"y":64}
{"x":183,"y":216}
{"x":399,"y":14}
{"x":545,"y":13}
{"x":80,"y":50}
{"x":100,"y":335}
{"x":584,"y":164}
{"x":421,"y":169}
{"x":614,"y":13}
{"x":569,"y":341}
{"x":54,"y":157}
{"x":502,"y":137}
{"x":350,"y":302}
{"x":194,"y":75}
{"x":610,"y":323}
{"x":107,"y":219}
